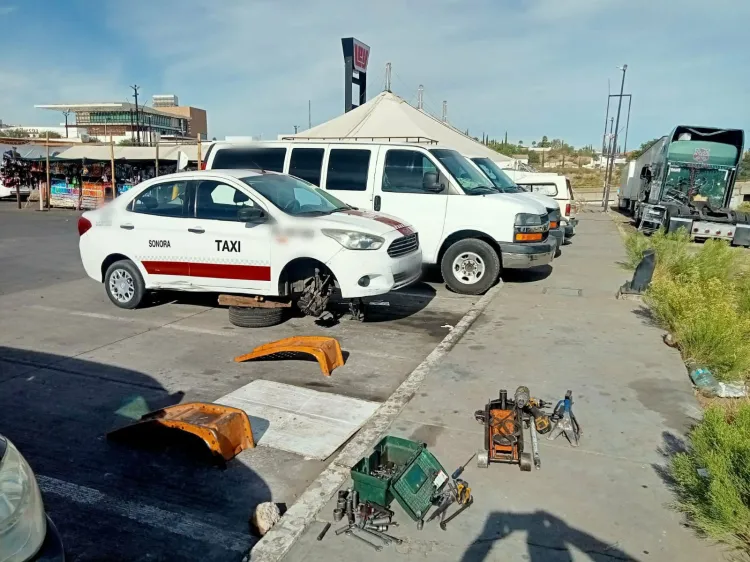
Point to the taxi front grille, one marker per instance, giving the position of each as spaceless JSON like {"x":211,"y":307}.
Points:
{"x":404,"y":245}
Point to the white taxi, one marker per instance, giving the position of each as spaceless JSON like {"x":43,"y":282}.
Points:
{"x":244,"y":232}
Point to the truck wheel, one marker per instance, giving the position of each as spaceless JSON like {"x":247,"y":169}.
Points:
{"x":124,"y":284}
{"x":250,"y":317}
{"x":470,"y":266}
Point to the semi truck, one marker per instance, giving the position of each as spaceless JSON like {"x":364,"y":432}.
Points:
{"x":685,"y":180}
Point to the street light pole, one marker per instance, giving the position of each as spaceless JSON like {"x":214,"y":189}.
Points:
{"x":605,"y":201}
{"x":66,"y":113}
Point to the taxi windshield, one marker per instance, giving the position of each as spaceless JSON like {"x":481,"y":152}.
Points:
{"x":294,"y":196}
{"x":496,"y":175}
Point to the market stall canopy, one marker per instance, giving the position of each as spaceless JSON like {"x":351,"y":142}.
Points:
{"x":34,"y":151}
{"x":390,"y":118}
{"x":99,"y":153}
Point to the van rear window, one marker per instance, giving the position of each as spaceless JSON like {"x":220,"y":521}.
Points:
{"x":260,"y":158}
{"x":549,"y":189}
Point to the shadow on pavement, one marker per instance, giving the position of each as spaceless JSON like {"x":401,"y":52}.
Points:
{"x":526,"y":275}
{"x":549,"y":539}
{"x":155,"y":500}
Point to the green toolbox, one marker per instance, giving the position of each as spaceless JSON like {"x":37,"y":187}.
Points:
{"x":400,"y":469}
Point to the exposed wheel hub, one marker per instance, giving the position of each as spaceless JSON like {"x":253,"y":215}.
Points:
{"x":468,"y":268}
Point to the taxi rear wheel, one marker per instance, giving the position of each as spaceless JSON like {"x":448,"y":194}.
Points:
{"x":124,"y":284}
{"x":249,"y":317}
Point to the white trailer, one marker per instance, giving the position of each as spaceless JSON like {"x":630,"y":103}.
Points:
{"x":631,"y":183}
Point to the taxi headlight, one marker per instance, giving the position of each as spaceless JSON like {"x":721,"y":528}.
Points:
{"x":22,"y":520}
{"x":354,"y":240}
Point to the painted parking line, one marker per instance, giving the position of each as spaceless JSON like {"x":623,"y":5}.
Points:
{"x":176,"y":523}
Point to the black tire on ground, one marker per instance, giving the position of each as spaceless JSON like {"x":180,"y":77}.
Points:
{"x":249,"y":317}
{"x":489,"y":260}
{"x":127,"y":282}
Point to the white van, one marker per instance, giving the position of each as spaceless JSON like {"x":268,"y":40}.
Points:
{"x":504,"y":184}
{"x":465,"y":225}
{"x":553,"y":185}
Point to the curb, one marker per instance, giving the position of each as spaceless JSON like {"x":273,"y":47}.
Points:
{"x":279,"y":540}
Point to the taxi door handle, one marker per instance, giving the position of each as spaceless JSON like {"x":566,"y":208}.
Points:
{"x":197,"y":230}
{"x":376,"y":206}
{"x":127,"y":226}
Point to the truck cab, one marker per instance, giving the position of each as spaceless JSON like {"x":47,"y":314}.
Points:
{"x":465,"y":225}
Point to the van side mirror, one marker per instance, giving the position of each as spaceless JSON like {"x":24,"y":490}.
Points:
{"x":430,"y":183}
{"x":253,"y":215}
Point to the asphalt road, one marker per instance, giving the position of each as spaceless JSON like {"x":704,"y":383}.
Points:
{"x":73,"y":367}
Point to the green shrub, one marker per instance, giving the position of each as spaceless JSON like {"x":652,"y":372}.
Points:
{"x":717,"y":502}
{"x":636,"y":244}
{"x":704,"y":317}
{"x":744,"y":207}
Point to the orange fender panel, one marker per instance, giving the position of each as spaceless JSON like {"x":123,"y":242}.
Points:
{"x":326,"y":350}
{"x":225,"y":430}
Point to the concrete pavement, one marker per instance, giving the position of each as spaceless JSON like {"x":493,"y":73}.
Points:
{"x":603,"y":501}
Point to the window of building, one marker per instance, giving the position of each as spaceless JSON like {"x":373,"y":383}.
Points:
{"x":348,"y":169}
{"x":405,"y":172}
{"x":307,"y":164}
{"x":216,"y":200}
{"x":251,"y":158}
{"x":164,"y":199}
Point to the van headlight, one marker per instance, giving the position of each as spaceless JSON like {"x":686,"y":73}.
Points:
{"x":22,"y":521}
{"x":354,"y":240}
{"x":530,"y":228}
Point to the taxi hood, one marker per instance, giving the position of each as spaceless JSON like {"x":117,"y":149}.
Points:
{"x":367,"y":221}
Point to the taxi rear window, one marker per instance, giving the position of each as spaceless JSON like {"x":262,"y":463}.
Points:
{"x":259,"y":158}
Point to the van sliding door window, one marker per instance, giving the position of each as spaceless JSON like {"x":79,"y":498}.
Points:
{"x":348,"y":169}
{"x":260,"y":158}
{"x":406,"y":171}
{"x":307,"y":164}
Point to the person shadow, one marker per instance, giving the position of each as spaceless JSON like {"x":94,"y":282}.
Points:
{"x":161,"y":497}
{"x":548,"y":537}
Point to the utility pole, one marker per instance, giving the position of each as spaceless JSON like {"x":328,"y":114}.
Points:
{"x":295,"y":128}
{"x":309,"y":114}
{"x":387,"y":77}
{"x":137,"y":116}
{"x":606,"y":118}
{"x":66,"y":113}
{"x":420,"y":97}
{"x":605,"y":202}
{"x":445,"y":113}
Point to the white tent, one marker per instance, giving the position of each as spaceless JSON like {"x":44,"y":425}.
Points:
{"x":389,"y":118}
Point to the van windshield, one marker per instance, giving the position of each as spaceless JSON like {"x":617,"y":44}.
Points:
{"x":499,"y":179}
{"x":295,"y":197}
{"x":471,"y":180}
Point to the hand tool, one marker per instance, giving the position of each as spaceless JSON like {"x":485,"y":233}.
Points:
{"x":459,"y":471}
{"x":379,"y":508}
{"x":371,"y":533}
{"x":338,"y":514}
{"x":535,"y":447}
{"x":463,"y":491}
{"x":324,"y":531}
{"x":542,"y":422}
{"x":464,"y":507}
{"x":377,"y":547}
{"x":380,"y":521}
{"x":344,"y":529}
{"x":447,"y":498}
{"x":386,"y":537}
{"x":349,"y":509}
{"x":565,"y":421}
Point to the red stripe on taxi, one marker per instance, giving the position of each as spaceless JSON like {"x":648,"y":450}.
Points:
{"x":214,"y":270}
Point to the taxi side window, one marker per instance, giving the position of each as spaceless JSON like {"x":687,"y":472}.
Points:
{"x":215,"y":200}
{"x":164,"y":200}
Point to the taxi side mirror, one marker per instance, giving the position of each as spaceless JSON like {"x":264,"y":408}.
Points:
{"x":254,"y":215}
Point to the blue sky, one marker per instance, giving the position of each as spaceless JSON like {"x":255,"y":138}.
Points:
{"x":531,"y":67}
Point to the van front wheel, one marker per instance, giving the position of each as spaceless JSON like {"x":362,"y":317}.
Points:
{"x":470,"y":266}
